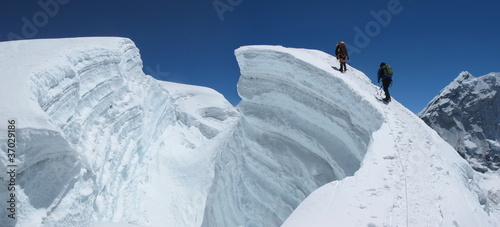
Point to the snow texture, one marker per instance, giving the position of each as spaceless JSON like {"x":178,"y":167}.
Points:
{"x":297,"y":133}
{"x":99,"y":143}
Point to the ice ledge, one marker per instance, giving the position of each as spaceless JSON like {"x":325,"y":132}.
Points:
{"x":303,"y":124}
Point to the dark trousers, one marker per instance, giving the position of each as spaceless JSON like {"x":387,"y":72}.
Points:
{"x":385,"y":85}
{"x":341,"y":58}
{"x":343,"y":67}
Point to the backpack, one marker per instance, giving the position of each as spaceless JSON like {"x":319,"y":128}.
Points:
{"x":341,"y":49}
{"x":387,"y":71}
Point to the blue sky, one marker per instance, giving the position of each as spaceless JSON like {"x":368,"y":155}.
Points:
{"x":428,"y":43}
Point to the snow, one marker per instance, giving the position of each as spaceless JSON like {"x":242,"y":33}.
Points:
{"x":294,"y":135}
{"x":102,"y":144}
{"x":109,"y":224}
{"x":99,"y":141}
{"x":466,"y":114}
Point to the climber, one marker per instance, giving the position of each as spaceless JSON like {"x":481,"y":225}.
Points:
{"x":341,"y":54}
{"x":385,"y":74}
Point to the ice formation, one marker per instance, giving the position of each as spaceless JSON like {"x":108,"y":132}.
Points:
{"x":98,"y":141}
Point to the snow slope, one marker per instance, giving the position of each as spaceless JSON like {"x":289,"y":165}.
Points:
{"x":99,"y":141}
{"x":304,"y":125}
{"x":466,"y":114}
{"x":297,"y":132}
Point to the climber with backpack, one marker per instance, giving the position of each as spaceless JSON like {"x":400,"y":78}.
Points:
{"x":341,"y":54}
{"x":385,"y":74}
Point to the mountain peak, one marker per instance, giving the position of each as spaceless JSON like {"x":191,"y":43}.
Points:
{"x":462,"y":113}
{"x":463,"y":76}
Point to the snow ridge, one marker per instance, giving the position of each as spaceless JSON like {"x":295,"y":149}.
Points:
{"x":406,"y":168}
{"x":302,"y":126}
{"x":97,"y":100}
{"x":100,"y":142}
{"x":94,"y":96}
{"x":96,"y":134}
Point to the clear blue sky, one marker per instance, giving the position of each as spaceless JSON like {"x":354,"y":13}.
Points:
{"x":427,"y":42}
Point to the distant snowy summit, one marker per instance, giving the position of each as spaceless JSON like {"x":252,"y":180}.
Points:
{"x":466,"y":113}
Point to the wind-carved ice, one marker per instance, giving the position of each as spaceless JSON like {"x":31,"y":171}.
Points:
{"x":301,"y":127}
{"x":97,"y":97}
{"x":99,"y":141}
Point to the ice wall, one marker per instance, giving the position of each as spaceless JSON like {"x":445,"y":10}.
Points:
{"x":99,"y":141}
{"x":303,"y":125}
{"x":109,"y":112}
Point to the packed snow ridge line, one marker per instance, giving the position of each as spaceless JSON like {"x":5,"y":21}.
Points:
{"x":131,"y":149}
{"x":301,"y":127}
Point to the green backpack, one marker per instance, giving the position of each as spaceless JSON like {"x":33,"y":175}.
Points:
{"x":387,"y":71}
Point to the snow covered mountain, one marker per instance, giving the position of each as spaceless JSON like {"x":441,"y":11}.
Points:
{"x":98,"y":141}
{"x":304,"y":124}
{"x":466,"y":114}
{"x":300,"y":128}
